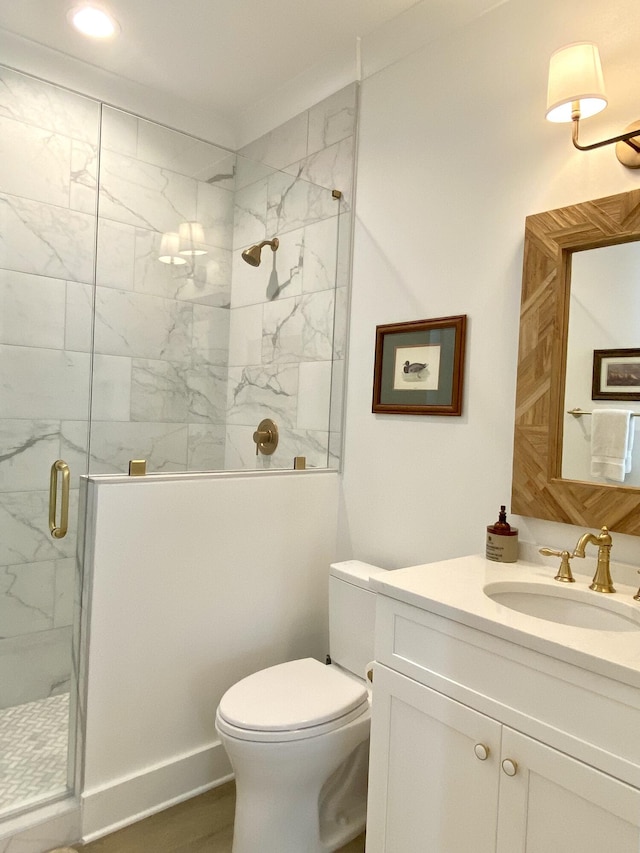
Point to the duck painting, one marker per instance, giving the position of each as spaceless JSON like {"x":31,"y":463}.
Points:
{"x":416,"y":367}
{"x":415,"y":370}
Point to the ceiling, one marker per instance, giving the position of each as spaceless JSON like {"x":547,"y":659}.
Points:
{"x":222,"y":54}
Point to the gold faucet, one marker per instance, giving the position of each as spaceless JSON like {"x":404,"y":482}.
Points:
{"x":564,"y":572}
{"x":602,"y":579}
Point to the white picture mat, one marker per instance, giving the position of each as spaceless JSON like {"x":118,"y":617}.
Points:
{"x":427,"y":380}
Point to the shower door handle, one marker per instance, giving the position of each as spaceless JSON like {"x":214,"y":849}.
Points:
{"x":59,"y":466}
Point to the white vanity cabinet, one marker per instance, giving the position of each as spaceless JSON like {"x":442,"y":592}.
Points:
{"x":446,"y":779}
{"x":484,"y":745}
{"x":428,"y":791}
{"x":554,"y":802}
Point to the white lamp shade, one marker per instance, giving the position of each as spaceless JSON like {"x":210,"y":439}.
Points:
{"x":575,"y":74}
{"x":169,"y":245}
{"x":191,"y":238}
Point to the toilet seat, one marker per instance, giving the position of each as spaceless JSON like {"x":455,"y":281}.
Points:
{"x":290,"y":701}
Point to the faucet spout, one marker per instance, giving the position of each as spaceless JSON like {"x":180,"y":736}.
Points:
{"x":602,"y":579}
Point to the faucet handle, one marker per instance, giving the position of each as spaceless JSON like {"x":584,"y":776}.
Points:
{"x":636,"y":597}
{"x":564,"y":572}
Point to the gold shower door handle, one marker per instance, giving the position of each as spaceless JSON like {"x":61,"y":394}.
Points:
{"x":59,"y":466}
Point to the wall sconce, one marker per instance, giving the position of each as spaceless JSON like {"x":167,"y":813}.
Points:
{"x":576,"y":90}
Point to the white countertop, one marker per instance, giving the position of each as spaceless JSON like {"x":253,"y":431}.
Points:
{"x":454,"y":589}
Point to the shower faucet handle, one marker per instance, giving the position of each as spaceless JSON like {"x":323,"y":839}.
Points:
{"x":266,"y":437}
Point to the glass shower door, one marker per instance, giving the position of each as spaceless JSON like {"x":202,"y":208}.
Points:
{"x":193,"y":347}
{"x":48,"y":162}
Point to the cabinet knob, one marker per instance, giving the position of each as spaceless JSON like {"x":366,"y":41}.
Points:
{"x":481,"y":751}
{"x":510,"y":767}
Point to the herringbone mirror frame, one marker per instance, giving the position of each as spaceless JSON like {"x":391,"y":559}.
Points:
{"x":538,"y":490}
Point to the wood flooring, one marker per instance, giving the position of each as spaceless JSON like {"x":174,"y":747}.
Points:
{"x":203,"y":824}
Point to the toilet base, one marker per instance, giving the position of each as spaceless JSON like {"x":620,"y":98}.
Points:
{"x":296,"y":824}
{"x":282,"y":807}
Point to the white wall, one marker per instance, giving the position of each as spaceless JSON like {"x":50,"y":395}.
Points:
{"x":454,"y":153}
{"x":197,"y":581}
{"x":399,"y":37}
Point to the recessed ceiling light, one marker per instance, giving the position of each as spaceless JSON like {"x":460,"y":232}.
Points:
{"x":92,"y":21}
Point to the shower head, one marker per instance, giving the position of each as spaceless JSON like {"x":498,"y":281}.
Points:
{"x":252,"y":254}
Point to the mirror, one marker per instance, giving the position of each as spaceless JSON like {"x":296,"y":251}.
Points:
{"x":552,"y":241}
{"x":604,"y":317}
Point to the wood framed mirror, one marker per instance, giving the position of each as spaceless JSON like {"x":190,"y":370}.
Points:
{"x":538,"y":490}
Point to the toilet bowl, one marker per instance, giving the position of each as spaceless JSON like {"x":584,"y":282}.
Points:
{"x":297,"y":737}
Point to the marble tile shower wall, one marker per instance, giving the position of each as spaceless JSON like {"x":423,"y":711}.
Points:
{"x":159,"y":335}
{"x":48,"y":171}
{"x":161,"y":330}
{"x":288,"y":316}
{"x":184,"y":364}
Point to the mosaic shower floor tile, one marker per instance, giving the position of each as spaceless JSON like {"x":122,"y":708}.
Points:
{"x":33,"y":752}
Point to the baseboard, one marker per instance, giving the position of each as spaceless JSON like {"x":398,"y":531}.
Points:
{"x":126,"y":801}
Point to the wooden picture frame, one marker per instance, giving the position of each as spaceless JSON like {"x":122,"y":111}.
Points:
{"x":616,"y":374}
{"x":419,"y":367}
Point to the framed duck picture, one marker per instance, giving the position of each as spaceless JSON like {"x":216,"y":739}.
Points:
{"x":419,"y":367}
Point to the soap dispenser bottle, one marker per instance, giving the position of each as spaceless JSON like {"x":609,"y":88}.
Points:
{"x":502,"y":540}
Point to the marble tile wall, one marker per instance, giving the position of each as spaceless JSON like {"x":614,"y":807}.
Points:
{"x":161,"y":330}
{"x":187,"y":359}
{"x":288,"y":316}
{"x":48,"y":195}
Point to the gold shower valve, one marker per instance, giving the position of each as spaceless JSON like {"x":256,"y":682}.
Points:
{"x":266,"y":437}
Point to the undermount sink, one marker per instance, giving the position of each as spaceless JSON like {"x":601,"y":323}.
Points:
{"x":580,"y":608}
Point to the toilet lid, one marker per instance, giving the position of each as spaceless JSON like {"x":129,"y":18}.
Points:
{"x":294,"y":695}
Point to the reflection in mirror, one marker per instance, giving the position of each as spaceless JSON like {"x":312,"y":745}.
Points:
{"x":604,"y":314}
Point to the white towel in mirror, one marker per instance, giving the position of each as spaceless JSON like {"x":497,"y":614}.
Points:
{"x":611,"y":443}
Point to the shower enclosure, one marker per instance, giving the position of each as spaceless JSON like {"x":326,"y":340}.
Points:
{"x":131,"y":328}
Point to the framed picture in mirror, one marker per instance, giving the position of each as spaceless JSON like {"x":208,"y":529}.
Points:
{"x":419,"y":367}
{"x":616,"y":374}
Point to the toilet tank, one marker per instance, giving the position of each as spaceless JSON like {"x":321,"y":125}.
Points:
{"x":352,"y":608}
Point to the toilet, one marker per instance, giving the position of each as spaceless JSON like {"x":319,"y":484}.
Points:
{"x":297,"y":734}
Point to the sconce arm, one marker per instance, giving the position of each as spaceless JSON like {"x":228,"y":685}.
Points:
{"x":627,"y":137}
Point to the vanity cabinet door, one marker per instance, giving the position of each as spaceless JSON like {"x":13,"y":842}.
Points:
{"x":554,"y":802}
{"x":434,"y":772}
